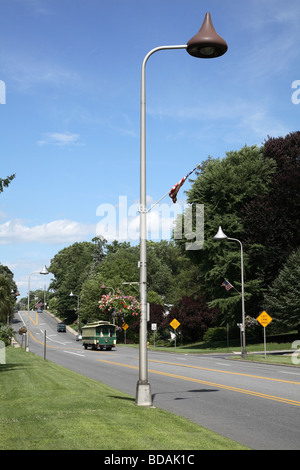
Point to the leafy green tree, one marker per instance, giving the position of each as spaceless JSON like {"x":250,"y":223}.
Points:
{"x":99,"y":252}
{"x":4,"y":183}
{"x":115,"y":246}
{"x":119,"y":265}
{"x":70,"y":266}
{"x":122,"y":264}
{"x":6,"y":334}
{"x":162,"y":265}
{"x":224,"y":186}
{"x":6,"y":299}
{"x":186,"y":281}
{"x":119,"y":271}
{"x":8,"y":288}
{"x":91,"y":293}
{"x":282,"y":301}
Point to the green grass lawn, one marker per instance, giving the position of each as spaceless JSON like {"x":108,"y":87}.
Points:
{"x":273,"y":359}
{"x":204,"y":348}
{"x":44,"y":406}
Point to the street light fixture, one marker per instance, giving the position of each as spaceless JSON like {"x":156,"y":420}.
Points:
{"x":205,"y":44}
{"x":43,"y":271}
{"x":74,"y":295}
{"x":220,"y":235}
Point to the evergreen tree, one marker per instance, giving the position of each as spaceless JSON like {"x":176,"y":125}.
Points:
{"x":282,"y":301}
{"x":70,"y":266}
{"x":224,"y":186}
{"x":6,"y":299}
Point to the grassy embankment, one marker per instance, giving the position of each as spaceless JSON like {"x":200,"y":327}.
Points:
{"x":45,"y":406}
{"x":258,"y":349}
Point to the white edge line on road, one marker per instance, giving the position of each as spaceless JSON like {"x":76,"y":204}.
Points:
{"x":287,"y":372}
{"x":76,"y":354}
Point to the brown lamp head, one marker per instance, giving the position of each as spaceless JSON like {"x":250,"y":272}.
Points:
{"x":207,"y":44}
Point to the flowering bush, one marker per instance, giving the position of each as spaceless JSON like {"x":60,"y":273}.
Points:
{"x":120,"y":306}
{"x":22,"y":330}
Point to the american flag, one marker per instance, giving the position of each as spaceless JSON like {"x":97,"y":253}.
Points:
{"x":174,"y":191}
{"x":39,"y":304}
{"x":227,"y":284}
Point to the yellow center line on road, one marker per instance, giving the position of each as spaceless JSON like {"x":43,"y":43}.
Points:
{"x":36,"y":321}
{"x":212,"y":384}
{"x":226,"y":372}
{"x":48,"y":345}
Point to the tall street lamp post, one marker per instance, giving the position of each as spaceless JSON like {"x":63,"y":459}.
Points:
{"x":78,"y":319}
{"x":220,"y":235}
{"x":205,"y":44}
{"x":43,"y":271}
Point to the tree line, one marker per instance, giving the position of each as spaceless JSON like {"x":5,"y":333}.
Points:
{"x":8,"y":288}
{"x":254,"y":194}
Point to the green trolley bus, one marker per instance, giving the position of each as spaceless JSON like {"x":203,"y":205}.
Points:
{"x":99,"y":335}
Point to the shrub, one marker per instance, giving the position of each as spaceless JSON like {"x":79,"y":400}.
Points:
{"x":194,"y":316}
{"x":6,"y":334}
{"x":215,"y":334}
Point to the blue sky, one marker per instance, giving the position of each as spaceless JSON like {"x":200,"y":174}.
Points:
{"x":71,"y":117}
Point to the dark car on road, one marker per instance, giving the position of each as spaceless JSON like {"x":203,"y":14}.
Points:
{"x":61,"y":327}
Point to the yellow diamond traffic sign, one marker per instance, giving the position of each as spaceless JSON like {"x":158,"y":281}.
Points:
{"x":174,"y":323}
{"x":124,"y":326}
{"x":264,"y":319}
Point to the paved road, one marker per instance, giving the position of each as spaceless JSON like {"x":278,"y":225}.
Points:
{"x":257,"y":405}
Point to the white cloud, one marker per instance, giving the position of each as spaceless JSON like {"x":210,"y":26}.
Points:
{"x":36,"y":7}
{"x":122,"y":222}
{"x":56,"y":232}
{"x":59,"y":138}
{"x":159,"y":226}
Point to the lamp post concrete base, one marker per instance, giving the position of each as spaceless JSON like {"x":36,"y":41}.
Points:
{"x":143,"y":394}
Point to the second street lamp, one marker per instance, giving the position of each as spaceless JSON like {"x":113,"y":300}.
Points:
{"x":205,"y":44}
{"x":78,"y":319}
{"x":43,"y":271}
{"x":220,"y":235}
